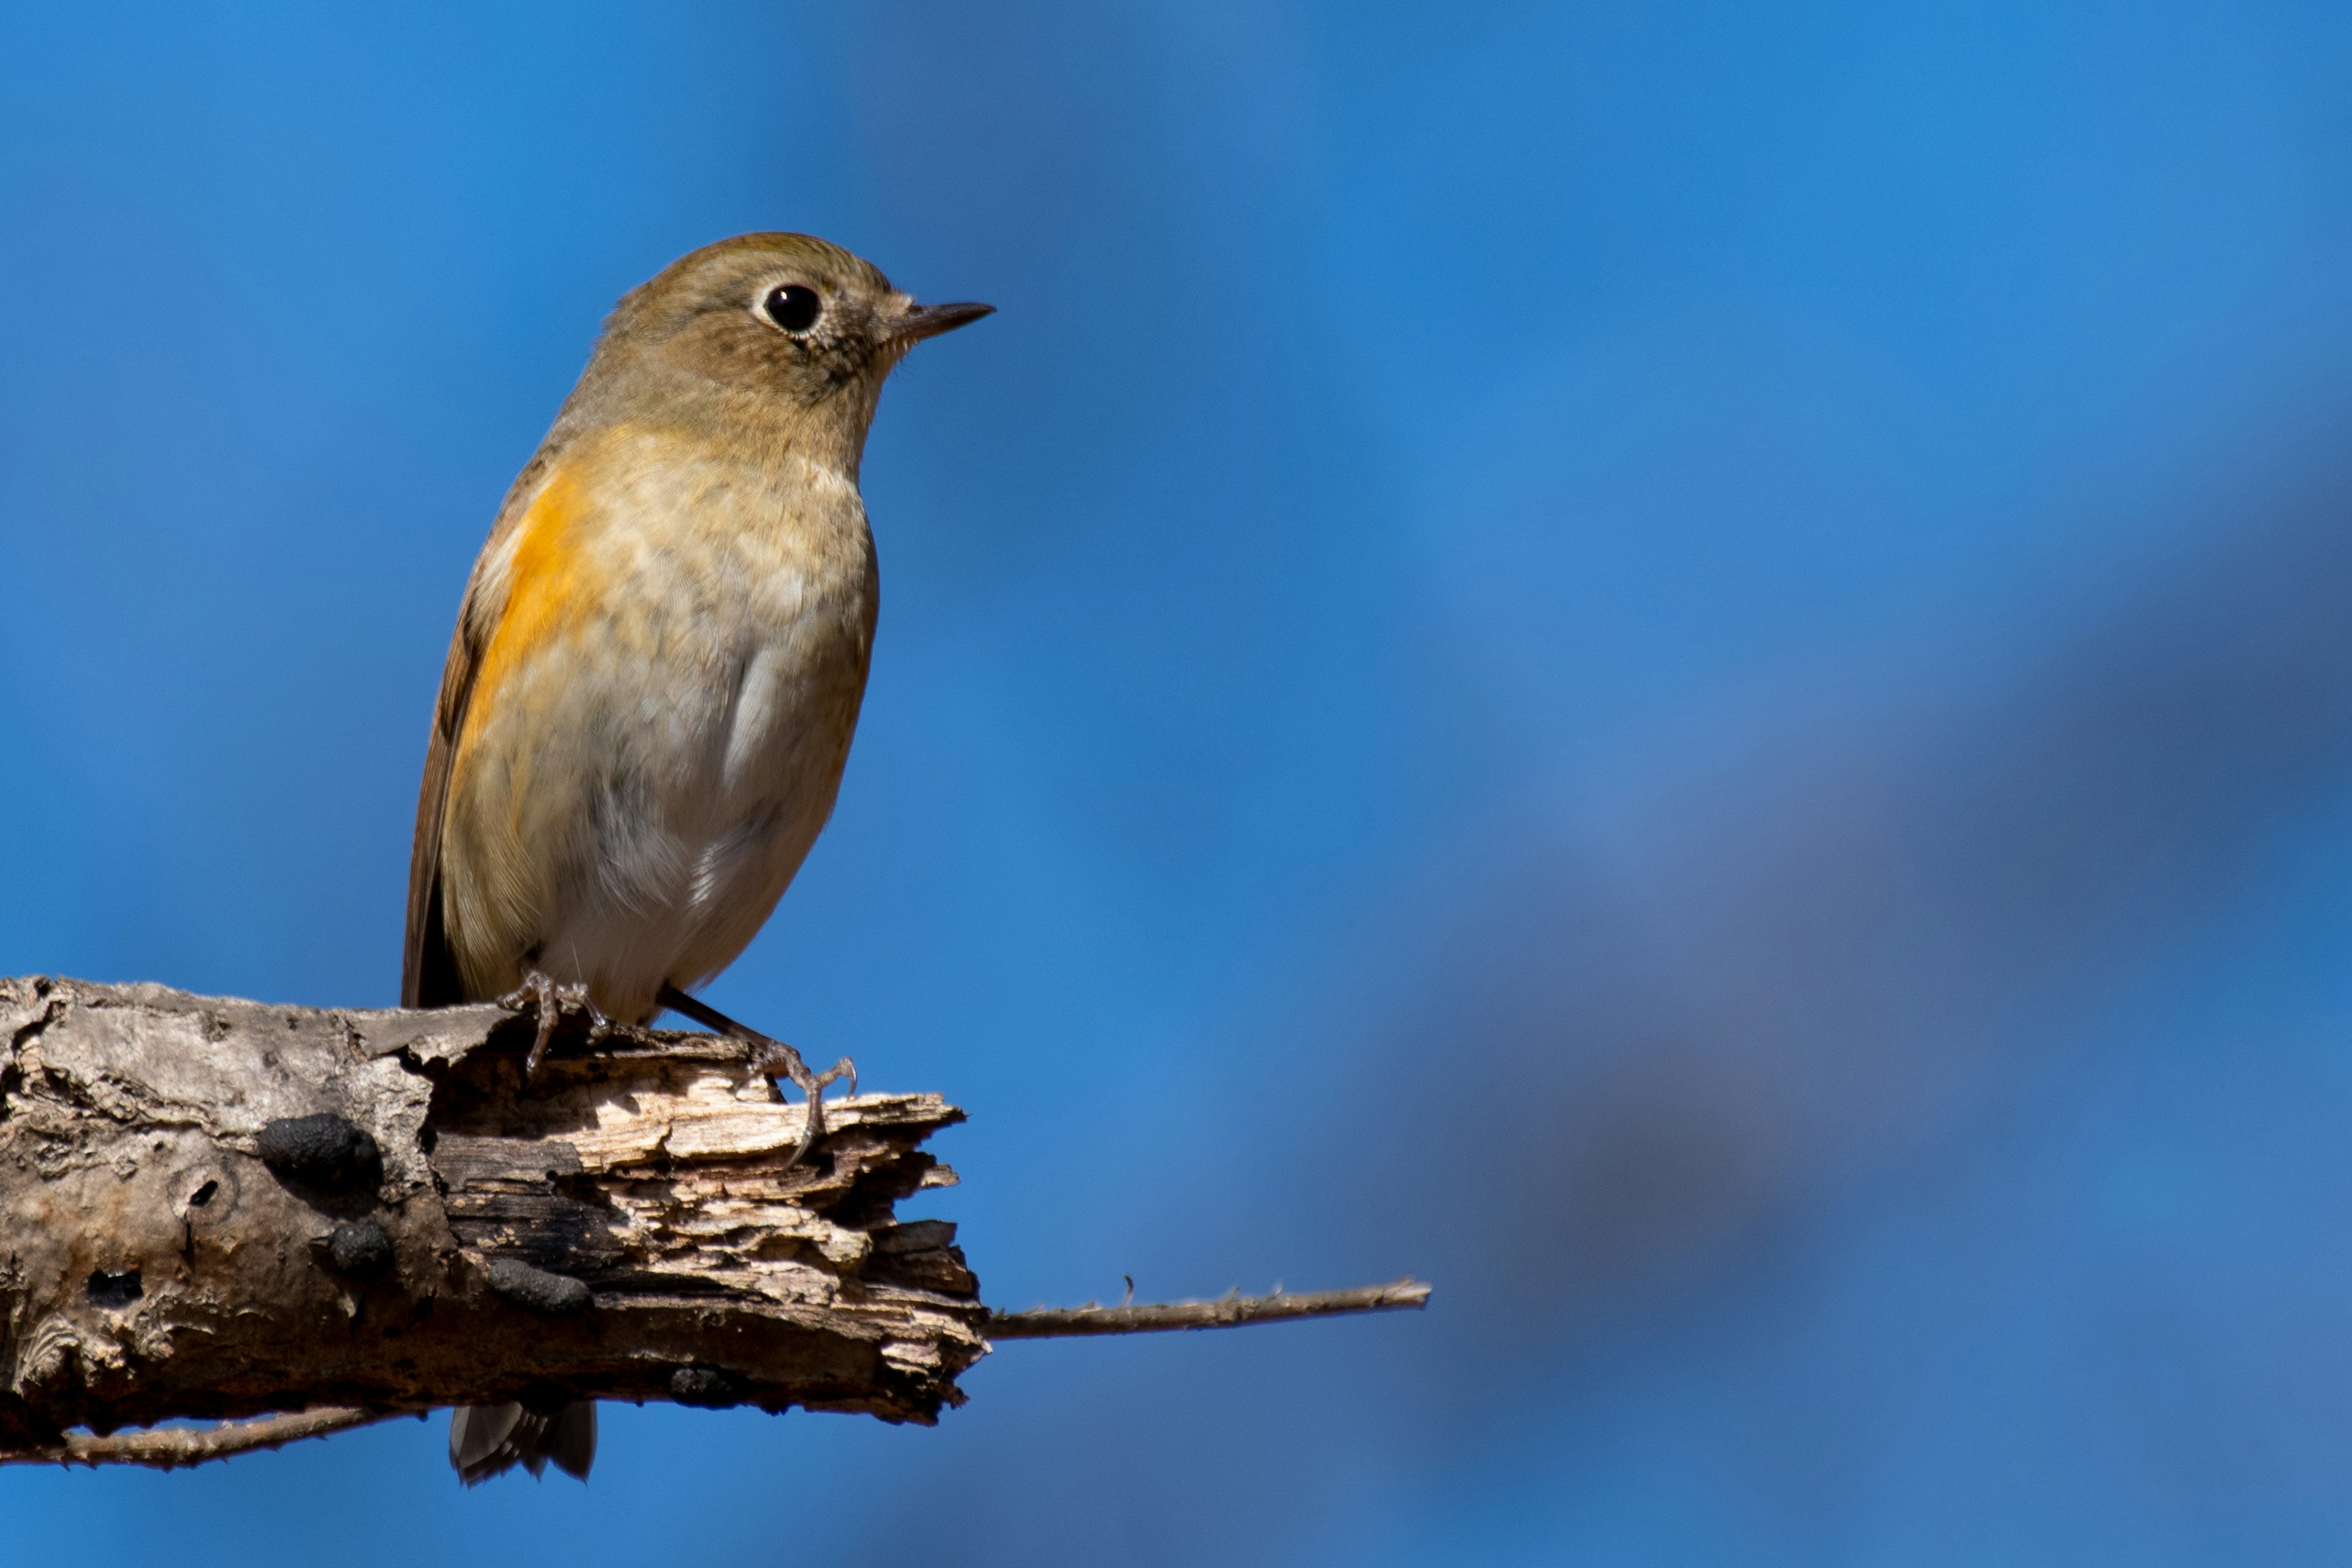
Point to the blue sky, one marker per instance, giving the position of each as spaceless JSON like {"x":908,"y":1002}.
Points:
{"x":1687,"y":668}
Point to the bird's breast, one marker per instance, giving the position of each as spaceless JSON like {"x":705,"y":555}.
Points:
{"x":746,"y":593}
{"x":665,"y":707}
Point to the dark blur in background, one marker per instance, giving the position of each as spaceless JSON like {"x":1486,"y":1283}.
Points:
{"x":1687,"y":668}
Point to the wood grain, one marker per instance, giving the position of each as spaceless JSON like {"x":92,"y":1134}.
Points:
{"x":153,"y":1265}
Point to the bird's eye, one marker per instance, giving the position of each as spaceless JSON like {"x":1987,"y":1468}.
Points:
{"x":795,"y":306}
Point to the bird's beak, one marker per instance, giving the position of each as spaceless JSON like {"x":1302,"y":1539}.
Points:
{"x":921,"y":321}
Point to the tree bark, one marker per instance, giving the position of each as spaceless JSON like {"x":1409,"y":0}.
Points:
{"x":218,"y":1209}
{"x":214,"y":1208}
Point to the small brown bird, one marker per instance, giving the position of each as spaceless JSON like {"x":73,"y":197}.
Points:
{"x":656,"y":671}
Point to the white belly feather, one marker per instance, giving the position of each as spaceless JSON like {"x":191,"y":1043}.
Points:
{"x":720,"y":760}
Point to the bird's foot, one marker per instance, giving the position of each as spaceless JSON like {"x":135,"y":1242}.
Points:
{"x":772,"y":1059}
{"x":539,"y":992}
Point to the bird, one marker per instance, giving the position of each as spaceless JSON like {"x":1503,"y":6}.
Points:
{"x":655,"y":675}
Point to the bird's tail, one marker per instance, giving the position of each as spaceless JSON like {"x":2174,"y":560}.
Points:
{"x":484,"y":1439}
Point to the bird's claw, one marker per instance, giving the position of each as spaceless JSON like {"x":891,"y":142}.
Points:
{"x":772,"y":1059}
{"x":844,"y":1068}
{"x":542,"y":995}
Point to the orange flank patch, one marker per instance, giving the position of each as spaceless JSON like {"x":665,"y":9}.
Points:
{"x":543,"y":578}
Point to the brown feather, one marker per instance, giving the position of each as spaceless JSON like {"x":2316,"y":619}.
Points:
{"x":429,"y":976}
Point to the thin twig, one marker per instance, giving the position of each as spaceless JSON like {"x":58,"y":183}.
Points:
{"x":168,"y":1448}
{"x":1229,"y":1311}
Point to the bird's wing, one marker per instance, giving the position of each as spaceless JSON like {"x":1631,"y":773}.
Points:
{"x":428,"y":969}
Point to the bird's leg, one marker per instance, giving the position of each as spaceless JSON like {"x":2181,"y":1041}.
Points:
{"x":538,"y":991}
{"x":549,"y":999}
{"x":771,"y":1058}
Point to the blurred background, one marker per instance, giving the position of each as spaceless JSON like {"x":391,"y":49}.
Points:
{"x":1687,"y":668}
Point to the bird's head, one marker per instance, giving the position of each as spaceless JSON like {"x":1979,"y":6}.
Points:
{"x":766,"y":329}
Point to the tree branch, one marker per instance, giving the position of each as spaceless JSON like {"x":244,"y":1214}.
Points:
{"x":1226,"y":1312}
{"x":216,"y":1209}
{"x":170,"y":1447}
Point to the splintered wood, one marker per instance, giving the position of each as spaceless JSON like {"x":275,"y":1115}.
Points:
{"x":214,"y":1208}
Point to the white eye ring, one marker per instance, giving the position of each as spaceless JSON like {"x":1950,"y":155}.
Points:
{"x":793,"y":308}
